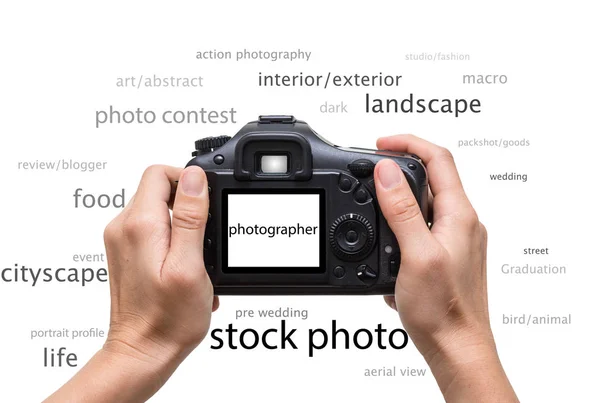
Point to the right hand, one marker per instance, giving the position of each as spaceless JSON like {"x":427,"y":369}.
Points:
{"x":441,"y":289}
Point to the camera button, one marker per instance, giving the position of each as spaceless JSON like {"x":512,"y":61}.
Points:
{"x":361,"y":195}
{"x":207,"y":243}
{"x":351,"y":236}
{"x":345,"y":184}
{"x":339,"y":271}
{"x":219,"y":159}
{"x":412,"y":166}
{"x":365,"y":273}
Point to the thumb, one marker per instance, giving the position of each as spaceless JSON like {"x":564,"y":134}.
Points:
{"x":190,"y":213}
{"x":400,"y":207}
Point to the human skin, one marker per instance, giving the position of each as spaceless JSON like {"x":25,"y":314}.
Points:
{"x":441,"y":289}
{"x":162,"y":298}
{"x":161,"y":295}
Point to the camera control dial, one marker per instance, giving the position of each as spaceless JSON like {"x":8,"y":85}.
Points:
{"x":209,"y":144}
{"x":351,"y":237}
{"x":361,"y":168}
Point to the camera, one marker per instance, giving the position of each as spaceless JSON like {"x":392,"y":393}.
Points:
{"x":291,"y":213}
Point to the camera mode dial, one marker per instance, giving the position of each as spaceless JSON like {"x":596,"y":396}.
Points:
{"x":351,"y":237}
{"x":209,"y":144}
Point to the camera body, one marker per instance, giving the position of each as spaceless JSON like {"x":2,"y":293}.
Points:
{"x":291,"y":213}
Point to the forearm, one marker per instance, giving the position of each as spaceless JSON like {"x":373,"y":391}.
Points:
{"x":115,"y":376}
{"x":471,"y":371}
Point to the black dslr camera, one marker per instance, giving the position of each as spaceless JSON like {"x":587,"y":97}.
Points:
{"x":291,"y":213}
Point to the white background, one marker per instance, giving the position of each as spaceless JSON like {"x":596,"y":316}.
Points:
{"x":59,"y":63}
{"x":273,"y":210}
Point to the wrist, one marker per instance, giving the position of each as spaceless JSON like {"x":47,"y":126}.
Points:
{"x":118,"y":372}
{"x":459,"y":354}
{"x":458,"y":346}
{"x":466,"y":366}
{"x":157,"y":355}
{"x":156,"y":367}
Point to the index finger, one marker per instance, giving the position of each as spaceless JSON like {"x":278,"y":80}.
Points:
{"x":155,"y":190}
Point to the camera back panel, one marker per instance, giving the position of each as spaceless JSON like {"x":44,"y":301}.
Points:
{"x":291,"y":213}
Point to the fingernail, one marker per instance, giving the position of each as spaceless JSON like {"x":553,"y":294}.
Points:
{"x":389,"y":174}
{"x":191,"y":183}
{"x":394,"y":306}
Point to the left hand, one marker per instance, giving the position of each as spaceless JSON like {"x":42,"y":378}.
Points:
{"x":161,"y":295}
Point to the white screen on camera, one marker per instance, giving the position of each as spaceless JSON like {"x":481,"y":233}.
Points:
{"x":273,"y":230}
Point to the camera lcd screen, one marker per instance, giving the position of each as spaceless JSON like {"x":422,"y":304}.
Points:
{"x":273,"y":230}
